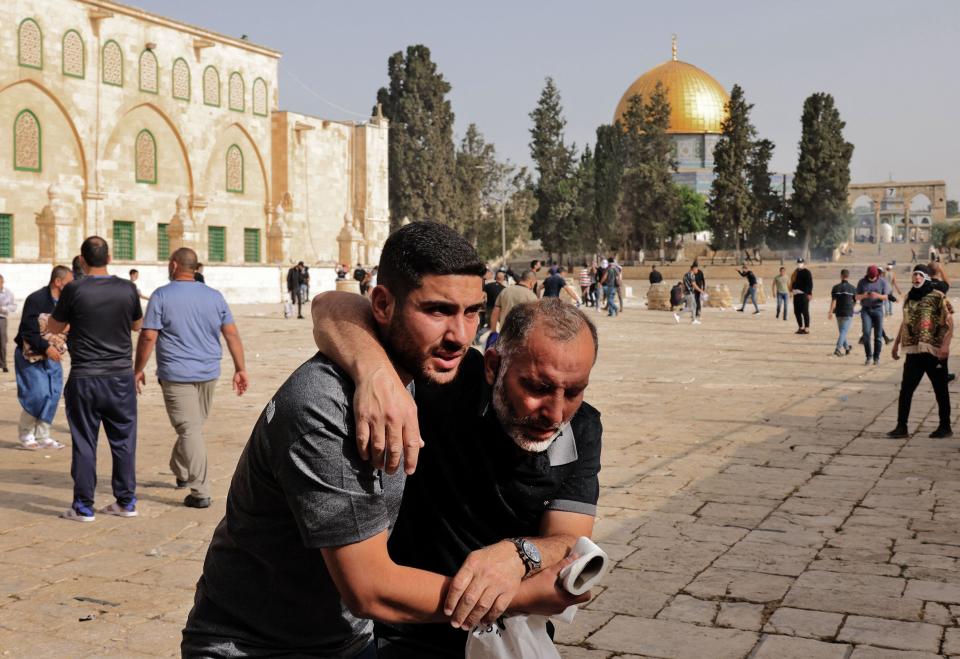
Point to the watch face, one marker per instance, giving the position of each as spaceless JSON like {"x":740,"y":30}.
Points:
{"x":531,"y":550}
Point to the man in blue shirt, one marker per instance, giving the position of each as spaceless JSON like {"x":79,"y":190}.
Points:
{"x":184,"y":320}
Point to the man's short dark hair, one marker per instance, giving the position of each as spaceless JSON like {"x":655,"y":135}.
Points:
{"x":844,"y":273}
{"x":186,"y":258}
{"x":534,"y":263}
{"x":528,"y":275}
{"x":95,"y":252}
{"x":133,"y":271}
{"x":425,"y":248}
{"x":59,"y":272}
{"x":561,"y":321}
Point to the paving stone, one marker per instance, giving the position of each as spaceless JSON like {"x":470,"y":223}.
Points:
{"x":951,"y":641}
{"x":636,"y":592}
{"x":789,"y":647}
{"x":891,"y":633}
{"x":870,"y":652}
{"x":800,"y":622}
{"x":739,"y":585}
{"x":937,"y":614}
{"x":668,"y":638}
{"x":689,"y":609}
{"x":666,"y":555}
{"x":933,"y":591}
{"x":584,"y":623}
{"x":766,"y":557}
{"x":740,"y":615}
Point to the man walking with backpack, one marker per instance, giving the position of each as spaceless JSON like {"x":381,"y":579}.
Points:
{"x":842,"y":303}
{"x":611,"y":284}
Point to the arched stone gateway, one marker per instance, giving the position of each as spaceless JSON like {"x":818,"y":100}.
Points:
{"x":891,"y":203}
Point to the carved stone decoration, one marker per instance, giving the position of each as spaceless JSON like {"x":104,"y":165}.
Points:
{"x":148,"y":72}
{"x":145,"y":158}
{"x":31,"y":44}
{"x":235,"y":92}
{"x":112,"y":64}
{"x":278,"y":237}
{"x":234,"y":169}
{"x":73,"y":55}
{"x":26,"y":131}
{"x":287,"y":202}
{"x":181,"y":80}
{"x":351,"y":242}
{"x":181,"y":231}
{"x":55,"y":227}
{"x":211,"y":86}
{"x":260,"y":97}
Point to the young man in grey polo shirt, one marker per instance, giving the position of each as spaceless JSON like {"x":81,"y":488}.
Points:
{"x":184,"y":321}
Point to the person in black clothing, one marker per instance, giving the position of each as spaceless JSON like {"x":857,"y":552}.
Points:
{"x":801,"y":286}
{"x":940,"y":282}
{"x":751,"y":292}
{"x":841,"y":303}
{"x":294,"y":282}
{"x":655,"y":276}
{"x":198,"y":274}
{"x":491,"y":290}
{"x":101,"y":311}
{"x":37,"y":366}
{"x":701,"y":280}
{"x":77,"y":268}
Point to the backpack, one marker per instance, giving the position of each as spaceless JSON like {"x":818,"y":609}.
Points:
{"x":613,"y":276}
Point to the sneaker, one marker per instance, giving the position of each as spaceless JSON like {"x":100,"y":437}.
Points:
{"x":51,"y":443}
{"x":740,"y":310}
{"x":942,"y":433}
{"x":196,"y":502}
{"x":899,"y":431}
{"x":128,"y":510}
{"x":84,"y":514}
{"x":696,"y":322}
{"x":951,"y":377}
{"x":847,"y":349}
{"x":676,"y":317}
{"x":876,"y":362}
{"x":887,"y":340}
{"x":799,"y":331}
{"x":181,"y":484}
{"x":837,"y":353}
{"x":756,"y":312}
{"x":28,"y":443}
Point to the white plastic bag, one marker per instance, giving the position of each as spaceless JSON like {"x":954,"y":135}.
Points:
{"x":287,"y":309}
{"x":516,"y":637}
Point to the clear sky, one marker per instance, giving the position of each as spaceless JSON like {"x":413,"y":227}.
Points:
{"x":891,"y":66}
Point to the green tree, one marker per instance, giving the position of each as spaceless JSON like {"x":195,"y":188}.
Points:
{"x":477,"y":175}
{"x":649,"y":204}
{"x":693,"y":210}
{"x":952,"y":210}
{"x":607,"y":226}
{"x":421,"y":150}
{"x":554,"y":221}
{"x":516,"y":199}
{"x":731,"y":203}
{"x":819,"y":203}
{"x":767,"y":206}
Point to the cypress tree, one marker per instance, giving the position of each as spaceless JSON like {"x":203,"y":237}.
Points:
{"x":608,"y":173}
{"x":421,"y":151}
{"x":731,"y":204}
{"x":554,"y":160}
{"x":819,"y":203}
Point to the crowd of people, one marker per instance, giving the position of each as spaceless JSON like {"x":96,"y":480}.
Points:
{"x":332,"y":516}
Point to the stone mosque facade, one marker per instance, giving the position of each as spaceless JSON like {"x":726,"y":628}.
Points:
{"x":157,"y":134}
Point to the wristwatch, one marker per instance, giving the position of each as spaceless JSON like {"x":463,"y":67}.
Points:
{"x":529,"y":554}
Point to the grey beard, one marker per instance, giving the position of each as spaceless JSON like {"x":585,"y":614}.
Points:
{"x":504,"y":415}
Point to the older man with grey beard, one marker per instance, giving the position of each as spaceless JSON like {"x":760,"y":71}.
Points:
{"x":511,"y":441}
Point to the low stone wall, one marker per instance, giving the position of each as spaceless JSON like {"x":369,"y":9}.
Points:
{"x":255,"y":284}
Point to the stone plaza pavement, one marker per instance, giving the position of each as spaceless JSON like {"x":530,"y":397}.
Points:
{"x":750,"y":499}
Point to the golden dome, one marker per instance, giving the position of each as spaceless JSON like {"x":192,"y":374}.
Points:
{"x":697,"y":101}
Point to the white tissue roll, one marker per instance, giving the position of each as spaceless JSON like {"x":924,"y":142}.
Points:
{"x":587,"y":570}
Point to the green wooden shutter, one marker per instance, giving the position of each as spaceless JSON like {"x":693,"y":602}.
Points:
{"x":6,"y":236}
{"x":217,"y":244}
{"x":123,"y":241}
{"x":163,"y":242}
{"x":251,"y":245}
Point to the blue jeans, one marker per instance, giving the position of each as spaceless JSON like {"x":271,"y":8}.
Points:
{"x":751,"y":295}
{"x":782,"y":299}
{"x":888,"y":307}
{"x":843,"y":324}
{"x":611,"y":293}
{"x":872,"y":320}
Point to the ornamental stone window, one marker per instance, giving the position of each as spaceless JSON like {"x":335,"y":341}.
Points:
{"x":112,"y":64}
{"x":234,"y":169}
{"x":211,"y":86}
{"x":148,"y":72}
{"x":181,"y":79}
{"x":30,"y":44}
{"x":260,"y":97}
{"x":236,"y":92}
{"x":26,"y":142}
{"x":74,"y":57}
{"x":145,"y":157}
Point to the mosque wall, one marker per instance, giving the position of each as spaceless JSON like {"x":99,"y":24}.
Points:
{"x":157,"y":134}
